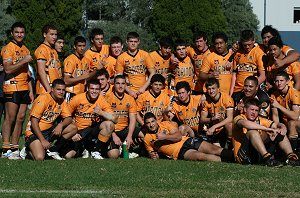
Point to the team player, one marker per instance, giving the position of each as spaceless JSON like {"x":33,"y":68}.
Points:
{"x":165,"y":138}
{"x":217,"y":113}
{"x":59,"y":45}
{"x":94,"y":119}
{"x":103,"y":76}
{"x":76,"y":69}
{"x":124,"y":107}
{"x":285,"y":103}
{"x":197,"y":53}
{"x":214,"y":65}
{"x":98,"y":52}
{"x":135,"y":63}
{"x":251,"y":132}
{"x":17,"y":90}
{"x":47,"y":60}
{"x":247,"y":62}
{"x":43,"y":126}
{"x":154,"y":100}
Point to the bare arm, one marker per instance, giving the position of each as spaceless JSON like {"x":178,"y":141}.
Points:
{"x":11,"y":68}
{"x":262,"y":76}
{"x":292,"y":114}
{"x":36,"y":130}
{"x":139,"y":118}
{"x":146,"y":85}
{"x":131,"y":127}
{"x":41,"y":65}
{"x":233,"y":79}
{"x":111,"y":116}
{"x":251,"y":125}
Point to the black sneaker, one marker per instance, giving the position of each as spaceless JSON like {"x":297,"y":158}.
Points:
{"x":293,"y":160}
{"x":272,"y":162}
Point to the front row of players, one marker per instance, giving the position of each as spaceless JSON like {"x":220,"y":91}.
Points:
{"x":98,"y":125}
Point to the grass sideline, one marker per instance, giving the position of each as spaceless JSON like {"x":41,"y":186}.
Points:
{"x":143,"y":177}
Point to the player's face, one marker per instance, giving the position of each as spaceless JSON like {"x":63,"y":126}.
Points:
{"x":183,"y":95}
{"x":120,"y":86}
{"x":51,"y":36}
{"x":201,"y":44}
{"x":116,"y":49}
{"x":133,"y":44}
{"x":80,"y":48}
{"x":250,"y":88}
{"x":157,"y":87}
{"x":248,"y":45}
{"x":275,"y":51}
{"x":281,"y":82}
{"x":59,"y":44}
{"x":251,"y":112}
{"x":165,"y":51}
{"x":98,"y":41}
{"x":221,"y":46}
{"x":151,"y":124}
{"x":59,"y":91}
{"x":213,"y":91}
{"x":93,"y":91}
{"x":266,"y":37}
{"x":103,"y":81}
{"x":18,"y":34}
{"x":181,"y":52}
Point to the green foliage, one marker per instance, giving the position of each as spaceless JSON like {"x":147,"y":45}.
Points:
{"x":179,"y":18}
{"x":6,"y":20}
{"x":239,"y":16}
{"x":64,"y":14}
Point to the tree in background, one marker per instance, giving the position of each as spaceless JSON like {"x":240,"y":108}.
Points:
{"x":6,"y":20}
{"x":240,"y":16}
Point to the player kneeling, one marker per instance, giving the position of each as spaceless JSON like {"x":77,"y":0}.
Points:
{"x":165,"y":138}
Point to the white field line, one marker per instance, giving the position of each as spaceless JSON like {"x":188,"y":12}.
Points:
{"x":78,"y":192}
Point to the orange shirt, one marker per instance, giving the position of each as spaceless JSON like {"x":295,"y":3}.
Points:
{"x":147,"y":102}
{"x":170,"y":149}
{"x":247,"y":64}
{"x":47,"y":110}
{"x":162,"y":65}
{"x":197,"y":58}
{"x":94,"y":57}
{"x":17,"y":81}
{"x":75,"y":67}
{"x":184,"y":71}
{"x":238,"y":133}
{"x":216,"y":63}
{"x":122,"y":107}
{"x":135,"y":67}
{"x":188,"y":113}
{"x":83,"y":110}
{"x":48,"y":54}
{"x":110,"y":66}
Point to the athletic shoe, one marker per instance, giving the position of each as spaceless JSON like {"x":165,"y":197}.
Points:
{"x":273,"y":163}
{"x":15,"y":155}
{"x":23,"y":153}
{"x":133,"y":155}
{"x":85,"y":154}
{"x":54,"y":155}
{"x":96,"y":155}
{"x":293,"y":160}
{"x":7,"y":154}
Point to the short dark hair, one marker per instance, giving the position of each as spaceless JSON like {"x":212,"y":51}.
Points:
{"x":60,"y":36}
{"x":92,"y":82}
{"x":79,"y":39}
{"x":131,"y":35}
{"x":199,"y":35}
{"x":58,"y":81}
{"x":183,"y":84}
{"x":179,"y":42}
{"x":269,"y":29}
{"x":120,"y":76}
{"x":283,"y":74}
{"x":149,"y":115}
{"x":252,"y":78}
{"x":275,"y":41}
{"x":102,"y":72}
{"x":48,"y":27}
{"x":115,"y":39}
{"x":219,"y":35}
{"x":94,"y":32}
{"x":247,"y":35}
{"x":212,"y":81}
{"x":251,"y":101}
{"x":157,"y":78}
{"x":17,"y":24}
{"x":166,"y":42}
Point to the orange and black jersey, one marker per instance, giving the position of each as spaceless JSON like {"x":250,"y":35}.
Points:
{"x":74,"y":67}
{"x":110,"y":66}
{"x":12,"y":53}
{"x":94,"y":57}
{"x":162,"y":64}
{"x":48,"y":54}
{"x":184,"y":71}
{"x":170,"y":149}
{"x":47,"y":110}
{"x":122,"y":108}
{"x":83,"y":110}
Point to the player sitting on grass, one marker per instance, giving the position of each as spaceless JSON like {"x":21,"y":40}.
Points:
{"x":165,"y":138}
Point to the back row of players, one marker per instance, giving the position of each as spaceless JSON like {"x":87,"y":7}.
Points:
{"x":109,"y":113}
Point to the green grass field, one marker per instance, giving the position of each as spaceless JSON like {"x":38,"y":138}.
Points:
{"x":143,"y":177}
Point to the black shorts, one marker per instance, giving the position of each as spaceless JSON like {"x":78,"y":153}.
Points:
{"x":18,"y":97}
{"x":46,"y":133}
{"x":247,"y":153}
{"x":191,"y":143}
{"x":122,"y":135}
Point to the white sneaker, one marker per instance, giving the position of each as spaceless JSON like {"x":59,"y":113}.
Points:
{"x":23,"y":153}
{"x":133,"y":155}
{"x":54,"y":155}
{"x":85,"y":154}
{"x":96,"y":155}
{"x":14,"y":155}
{"x":7,"y":154}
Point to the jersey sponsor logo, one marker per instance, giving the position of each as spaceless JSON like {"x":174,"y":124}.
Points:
{"x":50,"y":116}
{"x":162,"y":70}
{"x":121,"y":113}
{"x":246,"y":68}
{"x":184,"y":72}
{"x":194,"y":121}
{"x":139,"y":69}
